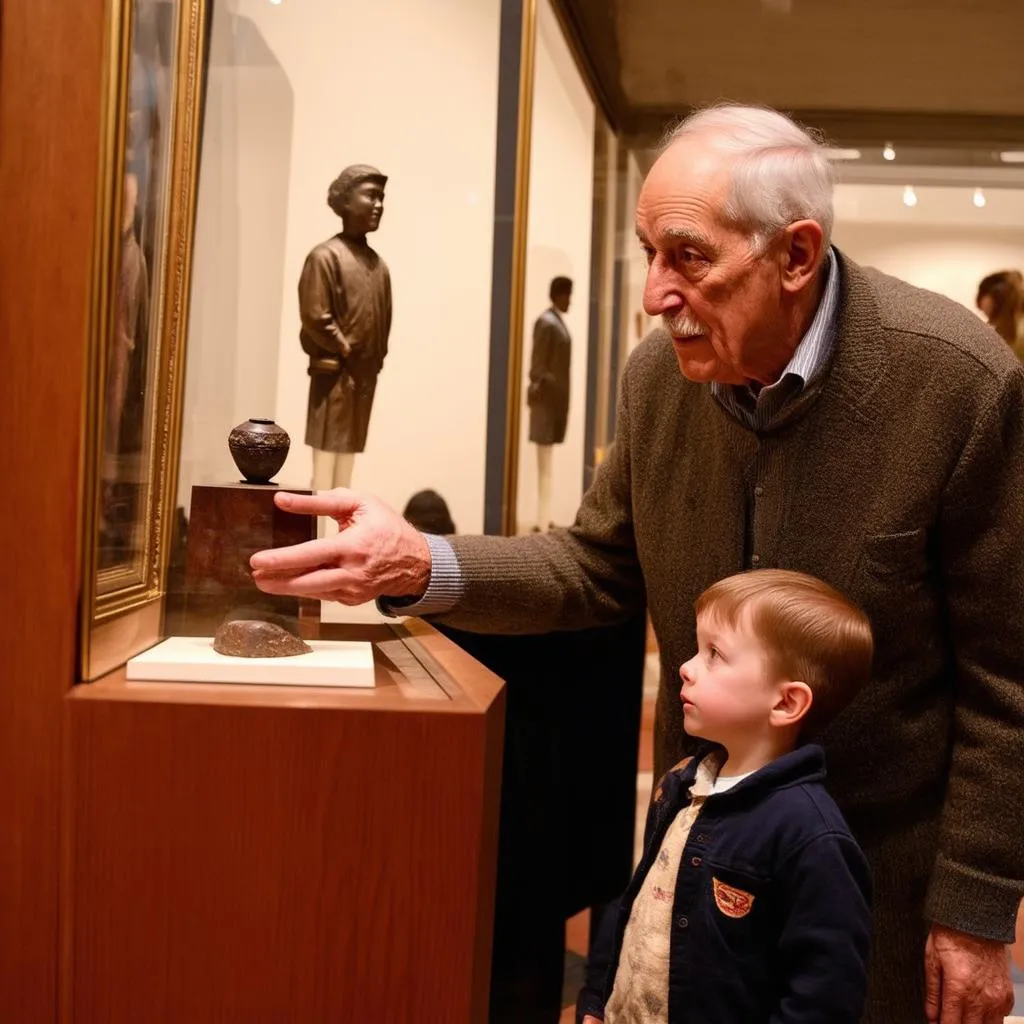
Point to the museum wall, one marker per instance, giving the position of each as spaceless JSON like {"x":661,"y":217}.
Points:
{"x":944,"y":243}
{"x":558,"y":243}
{"x":297,"y":91}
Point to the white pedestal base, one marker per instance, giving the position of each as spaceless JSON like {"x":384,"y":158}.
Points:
{"x":192,"y":659}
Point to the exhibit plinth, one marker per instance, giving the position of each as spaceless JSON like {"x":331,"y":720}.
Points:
{"x":269,"y":854}
{"x":227,"y":525}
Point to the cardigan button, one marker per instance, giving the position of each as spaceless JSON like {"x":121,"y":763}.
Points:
{"x":756,"y":559}
{"x":695,"y":861}
{"x":683,"y":922}
{"x":758,"y":491}
{"x":702,"y":838}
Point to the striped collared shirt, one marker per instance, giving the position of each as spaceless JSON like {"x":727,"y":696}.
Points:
{"x":757,"y":409}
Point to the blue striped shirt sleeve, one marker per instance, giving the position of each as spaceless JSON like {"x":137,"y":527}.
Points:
{"x":444,"y":591}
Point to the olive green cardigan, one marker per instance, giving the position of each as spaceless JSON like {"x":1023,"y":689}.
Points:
{"x":900,"y":480}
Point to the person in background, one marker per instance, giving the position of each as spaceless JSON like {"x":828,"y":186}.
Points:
{"x":1001,"y":299}
{"x":428,"y":512}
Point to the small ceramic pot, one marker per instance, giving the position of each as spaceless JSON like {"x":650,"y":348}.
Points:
{"x":259,"y":448}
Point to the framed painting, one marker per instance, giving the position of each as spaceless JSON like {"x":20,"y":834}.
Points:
{"x":149,"y":160}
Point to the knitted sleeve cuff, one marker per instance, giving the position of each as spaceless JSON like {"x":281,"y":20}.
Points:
{"x":973,"y":902}
{"x":444,"y":591}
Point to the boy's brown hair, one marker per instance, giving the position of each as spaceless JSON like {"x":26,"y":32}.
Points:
{"x":810,"y":632}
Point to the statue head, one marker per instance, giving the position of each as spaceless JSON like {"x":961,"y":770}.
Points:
{"x":560,"y":293}
{"x":357,"y":197}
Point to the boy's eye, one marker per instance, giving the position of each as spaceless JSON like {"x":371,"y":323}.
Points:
{"x":713,"y":653}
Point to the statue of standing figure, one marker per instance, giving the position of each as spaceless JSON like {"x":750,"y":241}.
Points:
{"x":345,"y":305}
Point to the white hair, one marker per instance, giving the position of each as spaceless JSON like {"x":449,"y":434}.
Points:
{"x":780,"y":173}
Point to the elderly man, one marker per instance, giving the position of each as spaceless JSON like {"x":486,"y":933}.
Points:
{"x":830,"y":419}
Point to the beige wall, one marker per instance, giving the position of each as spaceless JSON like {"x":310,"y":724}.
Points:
{"x":299,"y":90}
{"x":558,"y":243}
{"x":944,"y":243}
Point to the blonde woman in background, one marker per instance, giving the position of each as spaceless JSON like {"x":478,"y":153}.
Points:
{"x":1001,"y":299}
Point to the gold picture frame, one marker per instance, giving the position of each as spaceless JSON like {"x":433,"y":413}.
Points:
{"x":142,"y":260}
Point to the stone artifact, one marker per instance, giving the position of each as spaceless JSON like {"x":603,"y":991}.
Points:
{"x":345,"y":309}
{"x":259,"y":448}
{"x":257,"y":638}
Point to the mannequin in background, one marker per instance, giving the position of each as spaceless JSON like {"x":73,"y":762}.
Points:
{"x":345,"y":306}
{"x":548,"y":391}
{"x":1001,"y":299}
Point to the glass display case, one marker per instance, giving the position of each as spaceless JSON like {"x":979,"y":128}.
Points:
{"x":347,"y":230}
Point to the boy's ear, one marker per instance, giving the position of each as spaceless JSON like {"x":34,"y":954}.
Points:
{"x":794,"y":701}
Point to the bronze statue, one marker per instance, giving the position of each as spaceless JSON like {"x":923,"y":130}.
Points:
{"x":548,"y":391}
{"x":345,"y":305}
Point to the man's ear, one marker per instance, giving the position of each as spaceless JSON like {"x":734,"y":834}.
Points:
{"x":793,"y":703}
{"x":802,"y":244}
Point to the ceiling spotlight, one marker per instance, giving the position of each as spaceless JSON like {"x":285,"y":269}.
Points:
{"x":979,"y":198}
{"x":888,"y":153}
{"x":1013,"y":156}
{"x":842,"y":154}
{"x":909,"y":196}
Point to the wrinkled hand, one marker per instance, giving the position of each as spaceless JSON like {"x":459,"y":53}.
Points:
{"x":376,"y":552}
{"x":967,"y":979}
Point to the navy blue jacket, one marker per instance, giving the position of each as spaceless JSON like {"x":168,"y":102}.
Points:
{"x":771,"y":916}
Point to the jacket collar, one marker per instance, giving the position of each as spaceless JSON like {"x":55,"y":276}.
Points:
{"x":805,"y":764}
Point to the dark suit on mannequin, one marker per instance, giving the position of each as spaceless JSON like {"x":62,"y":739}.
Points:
{"x":548,"y":391}
{"x":549,"y":379}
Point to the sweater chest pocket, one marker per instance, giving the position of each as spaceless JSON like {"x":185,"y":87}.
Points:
{"x":737,"y":912}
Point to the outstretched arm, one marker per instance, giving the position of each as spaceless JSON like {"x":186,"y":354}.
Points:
{"x":586,"y":575}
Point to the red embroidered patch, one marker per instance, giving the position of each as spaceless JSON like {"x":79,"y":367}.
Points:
{"x":731,"y":901}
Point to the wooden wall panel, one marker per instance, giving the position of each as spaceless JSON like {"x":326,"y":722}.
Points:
{"x":50,"y":71}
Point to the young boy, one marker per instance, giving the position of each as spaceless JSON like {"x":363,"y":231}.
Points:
{"x":750,"y":903}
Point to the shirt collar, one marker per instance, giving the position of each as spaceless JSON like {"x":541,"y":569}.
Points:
{"x":812,"y":353}
{"x":807,"y":362}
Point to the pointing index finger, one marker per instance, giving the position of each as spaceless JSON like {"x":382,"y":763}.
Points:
{"x":335,"y":503}
{"x":310,"y":554}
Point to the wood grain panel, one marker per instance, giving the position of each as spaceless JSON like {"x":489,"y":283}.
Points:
{"x":281,"y":860}
{"x":50,"y":69}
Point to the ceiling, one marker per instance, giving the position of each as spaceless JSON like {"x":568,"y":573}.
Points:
{"x":946,"y":72}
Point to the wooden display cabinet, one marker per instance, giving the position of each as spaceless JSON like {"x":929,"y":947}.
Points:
{"x":272,"y":854}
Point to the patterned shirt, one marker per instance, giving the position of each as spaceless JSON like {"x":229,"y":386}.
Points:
{"x":640,"y":993}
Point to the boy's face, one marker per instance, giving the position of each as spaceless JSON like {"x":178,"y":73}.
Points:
{"x":728,"y":692}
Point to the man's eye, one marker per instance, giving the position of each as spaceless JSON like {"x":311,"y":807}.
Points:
{"x":648,"y":254}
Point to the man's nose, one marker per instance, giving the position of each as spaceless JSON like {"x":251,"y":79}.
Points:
{"x":660,"y":293}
